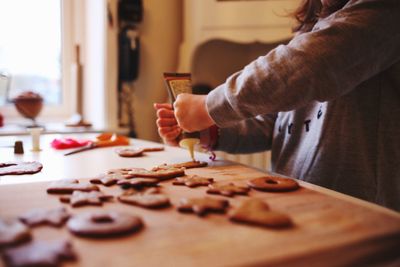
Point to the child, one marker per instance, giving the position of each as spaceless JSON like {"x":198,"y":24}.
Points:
{"x":327,"y":104}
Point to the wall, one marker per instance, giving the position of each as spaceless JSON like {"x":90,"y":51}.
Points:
{"x":160,"y":35}
{"x":97,"y":100}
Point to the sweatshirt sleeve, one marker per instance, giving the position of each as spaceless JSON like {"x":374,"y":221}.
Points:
{"x":343,"y":50}
{"x":247,"y":136}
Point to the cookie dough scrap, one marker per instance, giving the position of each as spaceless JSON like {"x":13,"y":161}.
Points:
{"x":40,"y":253}
{"x":227,"y":189}
{"x":13,"y":232}
{"x":129,"y":152}
{"x":19,"y":168}
{"x":102,"y":224}
{"x":53,"y":217}
{"x":150,"y":198}
{"x":123,"y":171}
{"x":193,"y":181}
{"x":202,"y":206}
{"x":78,"y":198}
{"x":256,"y":212}
{"x":153,"y":149}
{"x":69,"y":186}
{"x":108,"y":179}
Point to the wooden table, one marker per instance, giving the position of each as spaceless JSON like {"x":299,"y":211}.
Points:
{"x":331,"y":229}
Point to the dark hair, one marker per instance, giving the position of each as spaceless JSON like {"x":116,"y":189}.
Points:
{"x":309,"y":11}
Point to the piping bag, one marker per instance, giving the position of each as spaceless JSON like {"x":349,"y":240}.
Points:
{"x":176,"y":84}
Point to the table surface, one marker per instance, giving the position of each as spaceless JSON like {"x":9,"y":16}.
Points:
{"x":81,"y":165}
{"x":331,"y":229}
{"x":20,"y":128}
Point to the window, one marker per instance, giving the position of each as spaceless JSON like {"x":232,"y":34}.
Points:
{"x":35,"y":53}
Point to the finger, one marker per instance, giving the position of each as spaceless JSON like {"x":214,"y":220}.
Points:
{"x":168,"y":133}
{"x":176,"y":105}
{"x":165,"y":113}
{"x":171,"y":143}
{"x":172,"y":136}
{"x":166,"y":122}
{"x":166,"y":130}
{"x":162,"y":105}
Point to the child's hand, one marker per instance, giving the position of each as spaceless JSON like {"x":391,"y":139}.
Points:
{"x":191,"y":112}
{"x":167,"y":125}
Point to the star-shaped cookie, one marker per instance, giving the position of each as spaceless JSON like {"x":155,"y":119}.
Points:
{"x":193,"y":181}
{"x":228,"y":190}
{"x":40,"y":253}
{"x":202,"y":206}
{"x":13,"y":232}
{"x":108,"y":179}
{"x":139,"y":182}
{"x":86,"y":198}
{"x":54,"y":217}
{"x":69,"y":186}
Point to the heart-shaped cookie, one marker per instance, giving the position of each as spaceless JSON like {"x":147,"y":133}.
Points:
{"x":256,"y":211}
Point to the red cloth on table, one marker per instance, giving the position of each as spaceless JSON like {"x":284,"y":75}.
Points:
{"x":64,"y":143}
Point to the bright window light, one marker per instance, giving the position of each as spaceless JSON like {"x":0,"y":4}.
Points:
{"x":30,"y":49}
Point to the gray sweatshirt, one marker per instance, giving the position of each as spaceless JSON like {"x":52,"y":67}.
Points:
{"x":327,"y":104}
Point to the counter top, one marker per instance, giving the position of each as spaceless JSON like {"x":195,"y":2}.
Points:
{"x":13,"y":129}
{"x":330,"y":229}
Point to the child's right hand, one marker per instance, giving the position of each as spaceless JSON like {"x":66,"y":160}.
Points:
{"x":167,"y":125}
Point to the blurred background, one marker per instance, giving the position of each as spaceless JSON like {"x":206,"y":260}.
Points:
{"x":99,"y":63}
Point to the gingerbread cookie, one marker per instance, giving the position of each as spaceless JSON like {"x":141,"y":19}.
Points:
{"x":273,"y":184}
{"x":139,"y":182}
{"x":13,"y":232}
{"x":146,"y":199}
{"x":53,"y":217}
{"x":104,"y":224}
{"x":78,"y":198}
{"x":153,"y":149}
{"x":123,"y":171}
{"x":228,"y":190}
{"x":141,"y":190}
{"x":108,"y":179}
{"x":129,"y":152}
{"x":202,"y":206}
{"x":40,"y":253}
{"x":18,"y":168}
{"x":256,"y":211}
{"x":186,"y":165}
{"x":161,"y":174}
{"x":69,"y":186}
{"x":193,"y":181}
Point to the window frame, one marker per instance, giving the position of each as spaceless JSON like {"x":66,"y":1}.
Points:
{"x":67,"y":106}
